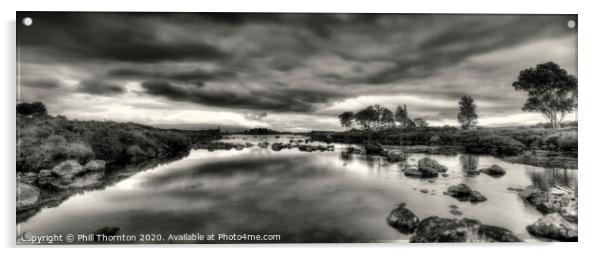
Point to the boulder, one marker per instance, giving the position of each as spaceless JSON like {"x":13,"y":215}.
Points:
{"x":463,"y":192}
{"x":277,"y":146}
{"x":27,"y":196}
{"x":264,"y":144}
{"x":533,"y":195}
{"x":402,"y":219}
{"x":443,"y":230}
{"x":430,"y":165}
{"x":411,"y":171}
{"x":44,"y":173}
{"x":393,"y":157}
{"x":68,"y":169}
{"x":554,"y":226}
{"x":494,"y":170}
{"x":374,"y":149}
{"x":95,"y":166}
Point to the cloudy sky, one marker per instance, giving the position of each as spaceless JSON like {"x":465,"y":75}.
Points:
{"x":293,"y":72}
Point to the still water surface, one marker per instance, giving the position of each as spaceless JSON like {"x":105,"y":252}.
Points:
{"x":301,"y":196}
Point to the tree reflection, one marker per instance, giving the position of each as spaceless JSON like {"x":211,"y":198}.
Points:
{"x":553,"y":176}
{"x":469,"y":162}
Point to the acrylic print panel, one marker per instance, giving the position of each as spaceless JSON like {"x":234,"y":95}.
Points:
{"x":295,"y":128}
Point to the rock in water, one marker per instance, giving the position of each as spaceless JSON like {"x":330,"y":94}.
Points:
{"x":393,"y":157}
{"x":68,"y":169}
{"x":442,"y":230}
{"x":27,"y":196}
{"x":95,"y":166}
{"x":494,"y":170}
{"x":554,"y":226}
{"x":533,"y":195}
{"x":412,"y":172}
{"x":374,"y":149}
{"x":463,"y":192}
{"x":430,"y":165}
{"x":277,"y":146}
{"x":402,"y":219}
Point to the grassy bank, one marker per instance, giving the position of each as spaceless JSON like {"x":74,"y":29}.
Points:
{"x":495,"y":141}
{"x":44,"y":141}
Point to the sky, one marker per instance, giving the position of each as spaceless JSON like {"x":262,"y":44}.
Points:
{"x":289,"y":72}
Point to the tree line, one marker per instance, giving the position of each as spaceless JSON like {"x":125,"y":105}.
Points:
{"x":550,"y":89}
{"x":376,"y":117}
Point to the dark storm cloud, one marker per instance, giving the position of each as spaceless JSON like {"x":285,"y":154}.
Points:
{"x":99,"y":87}
{"x":49,"y":83}
{"x":295,"y":100}
{"x":285,"y":62}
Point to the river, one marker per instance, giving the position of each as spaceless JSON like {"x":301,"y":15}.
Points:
{"x":300,"y":196}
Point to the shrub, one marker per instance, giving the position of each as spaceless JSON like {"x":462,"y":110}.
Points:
{"x":568,"y":143}
{"x":495,"y":144}
{"x":35,"y":108}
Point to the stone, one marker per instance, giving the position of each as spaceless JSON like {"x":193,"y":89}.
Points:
{"x":45,"y":173}
{"x":430,"y":165}
{"x":95,"y":166}
{"x":374,"y":149}
{"x":68,"y":169}
{"x":455,"y":212}
{"x":554,"y":226}
{"x":353,"y":150}
{"x":494,"y":170}
{"x":533,"y":195}
{"x":403,"y":220}
{"x":424,"y":191}
{"x":27,"y":196}
{"x":277,"y":146}
{"x":441,"y":230}
{"x":393,"y":157}
{"x":463,"y":192}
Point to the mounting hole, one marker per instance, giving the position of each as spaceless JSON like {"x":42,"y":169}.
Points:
{"x":571,"y":24}
{"x":27,"y":21}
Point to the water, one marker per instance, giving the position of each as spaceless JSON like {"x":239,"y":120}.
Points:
{"x":301,"y":196}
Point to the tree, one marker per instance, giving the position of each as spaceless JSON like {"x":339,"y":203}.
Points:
{"x":366,"y":117}
{"x":386,"y":118}
{"x":401,"y":115}
{"x":467,"y":115}
{"x":35,"y":108}
{"x":551,"y":91}
{"x":420,"y":122}
{"x":346,"y":119}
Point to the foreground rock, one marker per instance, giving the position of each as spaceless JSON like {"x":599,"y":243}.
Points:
{"x":70,"y":174}
{"x":463,"y":192}
{"x":443,"y":230}
{"x":403,"y":219}
{"x":554,"y":226}
{"x":557,"y":199}
{"x":429,"y":165}
{"x":412,"y":171}
{"x":494,"y":170}
{"x":27,"y":196}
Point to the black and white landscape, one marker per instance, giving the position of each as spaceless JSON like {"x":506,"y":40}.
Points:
{"x":304,"y":128}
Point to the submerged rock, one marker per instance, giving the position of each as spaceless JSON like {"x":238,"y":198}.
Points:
{"x":27,"y":196}
{"x":463,"y":192}
{"x":402,"y":219}
{"x":494,"y":170}
{"x":554,"y":226}
{"x":442,"y":230}
{"x":430,"y":165}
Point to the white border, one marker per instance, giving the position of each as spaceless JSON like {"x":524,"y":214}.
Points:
{"x":588,"y":65}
